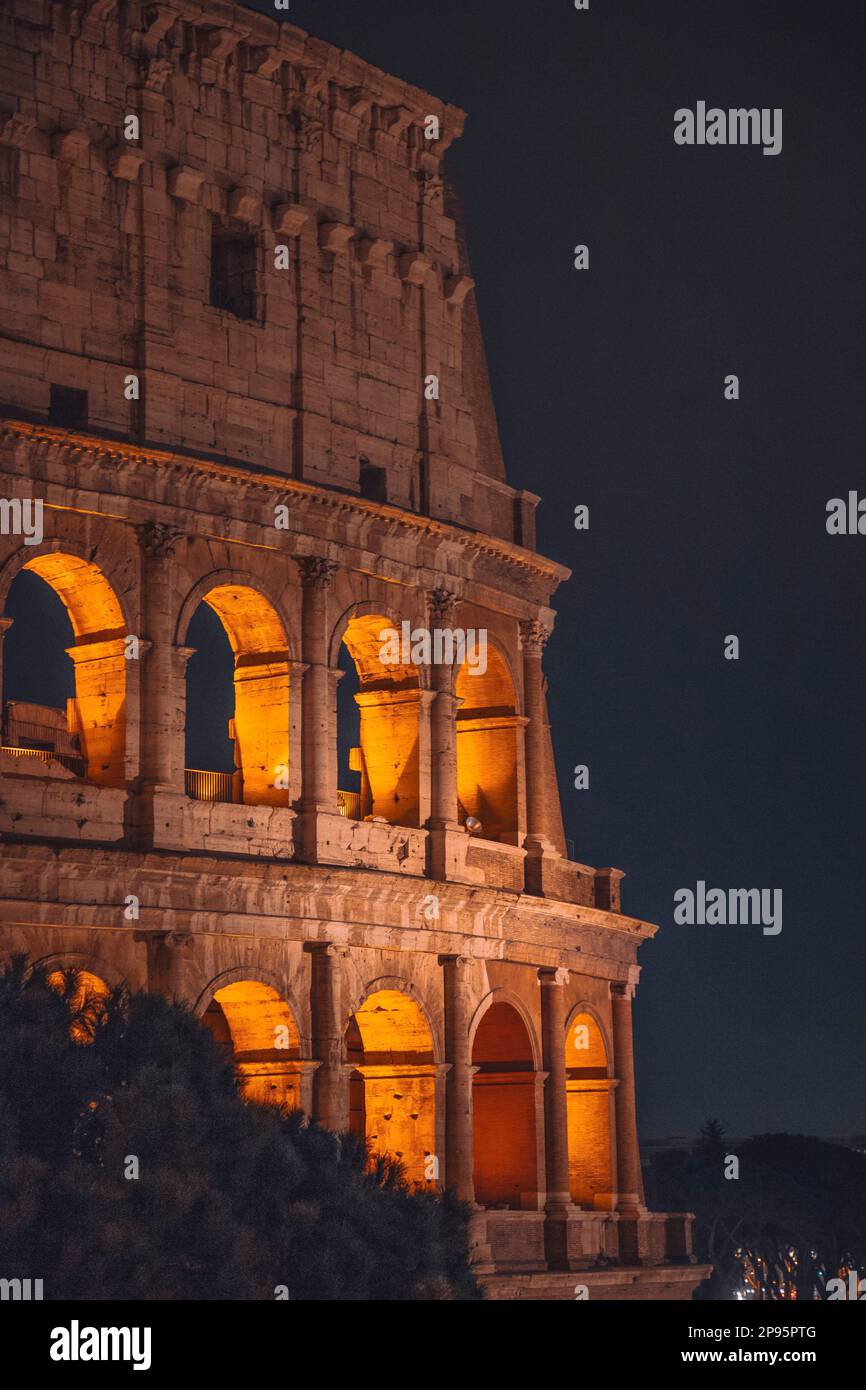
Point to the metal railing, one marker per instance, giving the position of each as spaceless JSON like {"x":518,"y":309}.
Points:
{"x":349,"y":804}
{"x":224,"y":786}
{"x":75,"y":763}
{"x":209,"y":786}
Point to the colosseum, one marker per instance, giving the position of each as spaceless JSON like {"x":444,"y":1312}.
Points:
{"x":245,"y":405}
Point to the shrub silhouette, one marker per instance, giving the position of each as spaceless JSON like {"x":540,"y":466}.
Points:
{"x":232,"y":1200}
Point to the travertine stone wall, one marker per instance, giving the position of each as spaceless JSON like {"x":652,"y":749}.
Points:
{"x":131,"y":133}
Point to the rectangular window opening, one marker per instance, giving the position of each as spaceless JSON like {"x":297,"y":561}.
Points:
{"x":68,"y":408}
{"x":233,"y":271}
{"x":374,"y":482}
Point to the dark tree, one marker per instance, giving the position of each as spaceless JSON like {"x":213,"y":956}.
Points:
{"x":792,"y":1219}
{"x":231,"y":1200}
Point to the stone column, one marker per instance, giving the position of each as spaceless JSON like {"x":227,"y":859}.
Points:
{"x":163,"y":703}
{"x":330,"y":1083}
{"x":318,"y":794}
{"x":307,"y":1072}
{"x":534,"y":636}
{"x":458,"y":1083}
{"x":553,"y":1010}
{"x":296,"y":682}
{"x":629,"y":1177}
{"x":541,"y":857}
{"x":441,"y":604}
{"x":559,"y":1204}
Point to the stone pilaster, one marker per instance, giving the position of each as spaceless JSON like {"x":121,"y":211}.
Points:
{"x":458,"y":1084}
{"x":318,"y":794}
{"x":163,"y":696}
{"x":330,"y":1083}
{"x":534,"y":636}
{"x":441,"y":604}
{"x":168,"y":957}
{"x":318,"y":799}
{"x":630,"y":1199}
{"x":559,"y":1203}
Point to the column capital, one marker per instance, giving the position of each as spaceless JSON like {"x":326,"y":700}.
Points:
{"x":332,"y":949}
{"x":157,"y":539}
{"x":534,"y":636}
{"x":548,"y":975}
{"x":441,"y":603}
{"x":460,"y":963}
{"x":5,"y":624}
{"x":181,"y":655}
{"x":316,"y":571}
{"x":159,"y":936}
{"x":623,"y":990}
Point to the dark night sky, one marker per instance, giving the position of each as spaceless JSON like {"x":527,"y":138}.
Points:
{"x":707,"y":517}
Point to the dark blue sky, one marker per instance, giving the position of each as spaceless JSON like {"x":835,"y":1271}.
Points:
{"x":707,"y":516}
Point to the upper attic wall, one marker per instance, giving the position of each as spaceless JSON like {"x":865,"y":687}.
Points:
{"x":251,"y":130}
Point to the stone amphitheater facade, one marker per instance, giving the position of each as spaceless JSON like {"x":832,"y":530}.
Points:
{"x":241,"y":366}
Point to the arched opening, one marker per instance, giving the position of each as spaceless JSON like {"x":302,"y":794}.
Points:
{"x":392,"y":1088}
{"x":85,"y":995}
{"x":237,"y":688}
{"x":64,"y":670}
{"x":253,"y":1022}
{"x":387,"y":695}
{"x":353,"y":794}
{"x":487,"y":748}
{"x":589,"y":1091}
{"x":504,"y":1111}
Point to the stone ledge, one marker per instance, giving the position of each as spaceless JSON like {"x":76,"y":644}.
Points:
{"x":628,"y":1284}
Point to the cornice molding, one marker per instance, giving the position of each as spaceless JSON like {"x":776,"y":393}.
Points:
{"x":71,"y":450}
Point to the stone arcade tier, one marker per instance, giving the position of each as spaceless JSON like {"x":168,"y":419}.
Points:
{"x":488,"y":1045}
{"x":441,"y":746}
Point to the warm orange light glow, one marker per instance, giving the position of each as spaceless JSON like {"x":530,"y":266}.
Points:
{"x":261,"y":684}
{"x":98,"y":658}
{"x":393,"y":1087}
{"x":589,"y":1120}
{"x":389,"y":702}
{"x":256,"y":1023}
{"x":504,"y":1110}
{"x":86,"y":999}
{"x":487,"y":733}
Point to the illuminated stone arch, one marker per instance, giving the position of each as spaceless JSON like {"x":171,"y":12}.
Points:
{"x":259,"y":640}
{"x":83,"y":960}
{"x":87,"y":1001}
{"x":394,"y":752}
{"x":253,"y":1020}
{"x":506,"y":1104}
{"x":589,"y":1089}
{"x":393,"y":1082}
{"x":97,"y":716}
{"x":489,"y":747}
